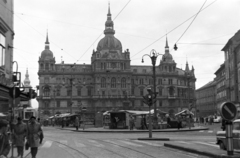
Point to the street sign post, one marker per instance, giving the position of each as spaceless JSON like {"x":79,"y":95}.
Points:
{"x":228,"y":111}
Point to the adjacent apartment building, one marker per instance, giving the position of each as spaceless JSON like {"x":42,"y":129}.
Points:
{"x":232,"y":69}
{"x":6,"y":52}
{"x":226,"y":85}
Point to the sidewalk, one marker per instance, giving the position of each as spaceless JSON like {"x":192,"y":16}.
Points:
{"x":201,"y":150}
{"x":26,"y":152}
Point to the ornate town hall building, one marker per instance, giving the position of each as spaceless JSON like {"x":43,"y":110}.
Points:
{"x":110,"y":82}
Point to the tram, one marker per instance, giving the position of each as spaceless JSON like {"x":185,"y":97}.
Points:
{"x":28,"y":112}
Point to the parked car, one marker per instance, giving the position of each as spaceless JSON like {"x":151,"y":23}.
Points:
{"x":221,"y":137}
{"x":218,"y":119}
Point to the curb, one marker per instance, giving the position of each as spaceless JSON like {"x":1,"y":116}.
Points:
{"x":134,"y":131}
{"x":159,"y":139}
{"x":204,"y":153}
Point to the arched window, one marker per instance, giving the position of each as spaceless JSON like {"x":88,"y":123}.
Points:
{"x":46,"y":91}
{"x":123,"y":83}
{"x":160,"y":91}
{"x":47,"y":66}
{"x":103,"y":82}
{"x":58,"y":92}
{"x":89,"y":91}
{"x":69,"y":92}
{"x":113,"y":82}
{"x":79,"y":92}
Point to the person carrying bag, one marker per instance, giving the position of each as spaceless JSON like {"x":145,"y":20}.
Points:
{"x":33,"y":136}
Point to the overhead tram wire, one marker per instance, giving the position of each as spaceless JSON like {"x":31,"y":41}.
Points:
{"x":23,"y":14}
{"x":44,"y":36}
{"x":101,"y":33}
{"x":33,"y":28}
{"x":57,"y":21}
{"x":191,"y":23}
{"x":172,"y":29}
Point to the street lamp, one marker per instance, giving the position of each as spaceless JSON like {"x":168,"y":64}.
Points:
{"x":153,"y":56}
{"x":71,"y":84}
{"x":54,"y":97}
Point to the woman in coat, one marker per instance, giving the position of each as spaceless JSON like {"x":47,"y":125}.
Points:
{"x":34,"y":132}
{"x":4,"y":141}
{"x":20,"y":132}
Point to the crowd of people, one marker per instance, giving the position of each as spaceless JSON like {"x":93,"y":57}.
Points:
{"x":23,"y":135}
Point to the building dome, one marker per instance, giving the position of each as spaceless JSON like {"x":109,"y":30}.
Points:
{"x":47,"y":54}
{"x":167,"y":57}
{"x":109,"y":42}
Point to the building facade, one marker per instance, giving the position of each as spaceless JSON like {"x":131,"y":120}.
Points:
{"x":206,"y":100}
{"x":232,"y":68}
{"x":221,"y":93}
{"x":6,"y":53}
{"x":110,"y":82}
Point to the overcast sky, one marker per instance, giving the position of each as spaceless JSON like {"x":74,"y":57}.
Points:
{"x":76,"y":26}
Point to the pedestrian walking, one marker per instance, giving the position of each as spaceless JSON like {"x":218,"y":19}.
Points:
{"x":77,"y":123}
{"x":20,"y":132}
{"x":179,"y":125}
{"x":41,"y":134}
{"x":4,"y":140}
{"x":144,"y":122}
{"x":34,"y":130}
{"x":131,"y":122}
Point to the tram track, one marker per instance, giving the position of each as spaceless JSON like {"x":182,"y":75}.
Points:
{"x":127,"y":148}
{"x":75,"y":153}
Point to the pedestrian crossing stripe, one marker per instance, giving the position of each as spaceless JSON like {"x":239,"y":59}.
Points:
{"x":148,"y":143}
{"x":129,"y":143}
{"x":79,"y":145}
{"x":183,"y":142}
{"x":47,"y":144}
{"x":209,"y":144}
{"x":63,"y":142}
{"x":95,"y":143}
{"x":119,"y":143}
{"x":112,"y":142}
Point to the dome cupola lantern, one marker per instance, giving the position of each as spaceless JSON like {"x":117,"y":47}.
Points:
{"x":109,"y":42}
{"x":109,"y":23}
{"x":47,"y":53}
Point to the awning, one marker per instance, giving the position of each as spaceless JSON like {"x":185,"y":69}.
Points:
{"x":159,"y":111}
{"x":106,"y":113}
{"x":184,"y":113}
{"x":2,"y":115}
{"x":133,"y":112}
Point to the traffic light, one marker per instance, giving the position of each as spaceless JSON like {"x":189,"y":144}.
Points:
{"x":32,"y":94}
{"x":145,"y":99}
{"x":150,"y":99}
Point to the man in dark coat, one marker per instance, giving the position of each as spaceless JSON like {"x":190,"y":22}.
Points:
{"x":34,"y":130}
{"x":4,"y":140}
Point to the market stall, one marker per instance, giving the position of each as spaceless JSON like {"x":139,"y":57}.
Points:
{"x":186,"y":117}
